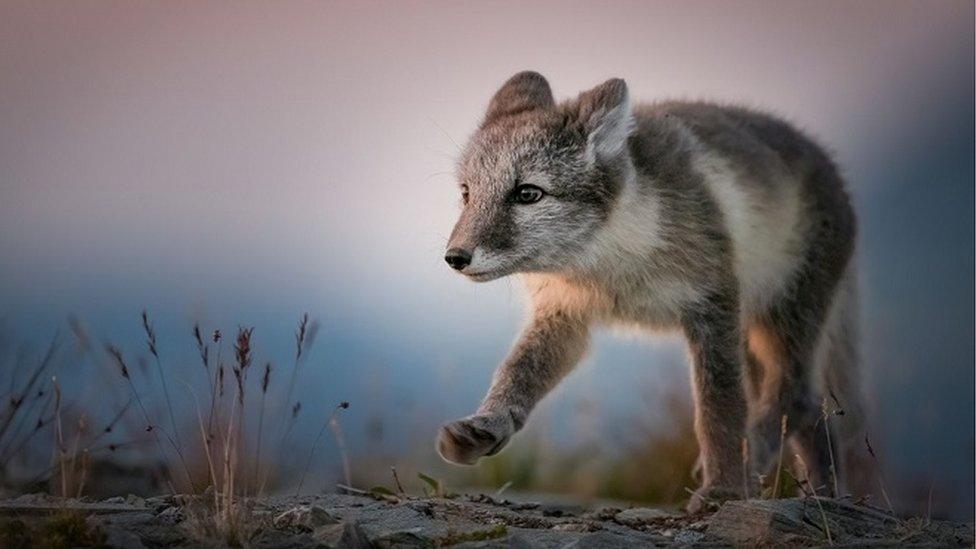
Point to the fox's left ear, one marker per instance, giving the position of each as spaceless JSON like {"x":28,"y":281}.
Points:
{"x":606,"y":117}
{"x":526,"y":91}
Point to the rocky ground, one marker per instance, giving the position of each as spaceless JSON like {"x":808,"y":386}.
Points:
{"x":357,"y":519}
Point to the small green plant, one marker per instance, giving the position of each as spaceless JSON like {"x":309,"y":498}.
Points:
{"x":434,"y":487}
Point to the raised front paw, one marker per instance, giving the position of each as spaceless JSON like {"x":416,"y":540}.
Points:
{"x":709,"y":498}
{"x":466,"y":440}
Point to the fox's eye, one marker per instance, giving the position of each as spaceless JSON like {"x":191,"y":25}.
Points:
{"x":464,"y":194}
{"x":527,"y":194}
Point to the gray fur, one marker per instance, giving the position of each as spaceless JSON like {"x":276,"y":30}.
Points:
{"x":721,"y":222}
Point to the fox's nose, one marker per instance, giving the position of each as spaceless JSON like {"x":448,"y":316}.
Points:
{"x":458,"y":258}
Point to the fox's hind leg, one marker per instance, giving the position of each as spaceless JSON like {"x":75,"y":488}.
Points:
{"x":838,"y":362}
{"x":786,"y":350}
{"x":787,"y":340}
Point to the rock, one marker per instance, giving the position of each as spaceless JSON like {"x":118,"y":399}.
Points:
{"x":608,"y":540}
{"x":401,"y":539}
{"x":135,"y":500}
{"x":799,"y":520}
{"x":688,"y":537}
{"x":560,"y":509}
{"x":116,"y":500}
{"x":575,"y":527}
{"x":639,"y":516}
{"x":170,"y":515}
{"x":353,"y":537}
{"x":305,"y":517}
{"x":121,"y":538}
{"x":357,"y":522}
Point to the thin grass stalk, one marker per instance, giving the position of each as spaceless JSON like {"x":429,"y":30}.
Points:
{"x":112,"y":447}
{"x":110,"y":426}
{"x":38,"y":427}
{"x":243,"y":356}
{"x":816,"y":498}
{"x":124,"y":370}
{"x":300,"y":336}
{"x":311,"y":453}
{"x":265,"y":380}
{"x":881,"y":481}
{"x":207,"y":451}
{"x":783,"y":422}
{"x":28,"y":388}
{"x":745,"y":467}
{"x":74,"y":447}
{"x":340,"y":439}
{"x":830,"y":446}
{"x":396,"y":481}
{"x":154,"y":351}
{"x":85,"y":465}
{"x":62,"y":451}
{"x":242,"y":352}
{"x":217,"y":383}
{"x":12,"y":448}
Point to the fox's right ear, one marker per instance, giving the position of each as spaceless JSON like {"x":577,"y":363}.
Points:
{"x":607,"y":119}
{"x":526,"y":91}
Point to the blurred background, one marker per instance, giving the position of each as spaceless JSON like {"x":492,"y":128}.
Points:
{"x":237,"y":164}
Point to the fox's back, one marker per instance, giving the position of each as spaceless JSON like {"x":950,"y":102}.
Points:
{"x":753,"y":178}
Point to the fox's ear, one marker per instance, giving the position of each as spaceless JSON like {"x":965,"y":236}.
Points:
{"x":606,"y":117}
{"x":526,"y":91}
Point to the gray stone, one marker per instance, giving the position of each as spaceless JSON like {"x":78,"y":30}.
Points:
{"x":688,"y":537}
{"x":170,"y":515}
{"x":135,"y":500}
{"x":121,"y":538}
{"x":639,"y":516}
{"x":608,"y":540}
{"x":305,"y":517}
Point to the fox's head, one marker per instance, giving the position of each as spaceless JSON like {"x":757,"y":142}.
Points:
{"x":538,"y":178}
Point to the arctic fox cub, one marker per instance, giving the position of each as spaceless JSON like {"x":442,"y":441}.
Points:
{"x":725,"y":224}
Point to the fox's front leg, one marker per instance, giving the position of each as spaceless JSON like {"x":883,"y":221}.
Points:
{"x":717,"y":352}
{"x":546,"y":351}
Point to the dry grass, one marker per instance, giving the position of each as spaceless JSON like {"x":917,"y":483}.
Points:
{"x":229,"y":462}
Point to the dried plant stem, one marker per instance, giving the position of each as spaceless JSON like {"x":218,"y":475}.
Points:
{"x":110,"y":426}
{"x":46,"y":473}
{"x":340,"y":439}
{"x":62,"y":451}
{"x":14,"y":448}
{"x":816,"y":498}
{"x":300,"y":336}
{"x":782,"y":445}
{"x":881,"y":481}
{"x":85,"y":465}
{"x":207,"y":450}
{"x":154,"y":351}
{"x":216,"y":386}
{"x":745,"y":467}
{"x":17,"y":402}
{"x":265,"y":380}
{"x":830,"y":447}
{"x":311,"y":453}
{"x":117,"y":355}
{"x":396,"y":480}
{"x":72,"y":461}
